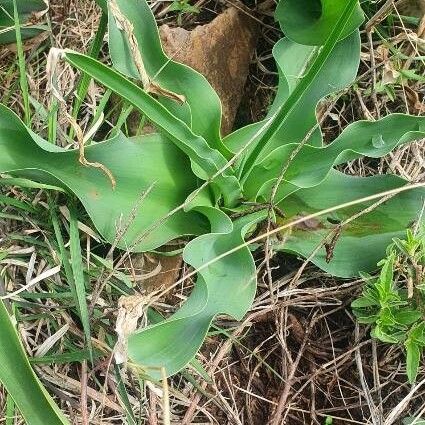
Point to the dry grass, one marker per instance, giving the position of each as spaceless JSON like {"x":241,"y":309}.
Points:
{"x":298,"y":352}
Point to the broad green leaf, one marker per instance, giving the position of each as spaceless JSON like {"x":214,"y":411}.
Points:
{"x":306,"y":75}
{"x":311,"y":22}
{"x":372,"y":139}
{"x":363,"y":302}
{"x":413,"y":356}
{"x":407,"y":316}
{"x":25,"y":10}
{"x":292,"y":59}
{"x":208,"y":163}
{"x":363,"y":242}
{"x":378,"y":333}
{"x":385,"y":282}
{"x":363,"y":138}
{"x":154,"y":175}
{"x":401,"y":245}
{"x":417,"y":334}
{"x":202,"y":109}
{"x":225,"y":287}
{"x":20,"y":381}
{"x":282,"y":115}
{"x":387,"y":320}
{"x":152,"y":178}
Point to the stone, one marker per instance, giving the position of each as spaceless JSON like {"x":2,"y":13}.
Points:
{"x":221,"y":51}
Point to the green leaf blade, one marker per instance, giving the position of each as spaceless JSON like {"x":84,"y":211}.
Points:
{"x":202,"y":109}
{"x":413,"y":356}
{"x":227,"y":286}
{"x":362,"y":244}
{"x":208,"y":162}
{"x":20,"y":381}
{"x":311,"y":23}
{"x":136,"y":165}
{"x":78,"y":277}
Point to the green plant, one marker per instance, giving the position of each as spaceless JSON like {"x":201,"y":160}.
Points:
{"x":394,"y":302}
{"x":413,"y":421}
{"x":182,"y":7}
{"x":186,"y":180}
{"x":17,"y":376}
{"x":27,"y":10}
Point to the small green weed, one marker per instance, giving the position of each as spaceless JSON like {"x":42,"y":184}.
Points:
{"x":182,"y":7}
{"x":394,"y":302}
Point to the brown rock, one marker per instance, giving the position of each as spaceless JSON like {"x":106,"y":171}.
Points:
{"x":221,"y":51}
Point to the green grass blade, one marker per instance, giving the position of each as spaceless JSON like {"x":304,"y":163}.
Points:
{"x":16,"y":203}
{"x":62,"y":250}
{"x":21,"y":61}
{"x":78,"y":272}
{"x":20,"y":381}
{"x":53,"y":121}
{"x":10,"y":410}
{"x":26,"y":183}
{"x":122,"y":392}
{"x":103,"y":5}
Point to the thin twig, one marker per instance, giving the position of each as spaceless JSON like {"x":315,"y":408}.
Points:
{"x":379,"y":16}
{"x":376,"y":420}
{"x":277,"y":415}
{"x":83,"y":401}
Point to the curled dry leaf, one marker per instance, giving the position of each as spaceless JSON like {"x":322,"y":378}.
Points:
{"x":413,"y":98}
{"x":53,"y":59}
{"x":130,"y":310}
{"x":158,"y":271}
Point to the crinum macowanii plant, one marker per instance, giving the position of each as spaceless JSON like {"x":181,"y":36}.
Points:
{"x":199,"y":185}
